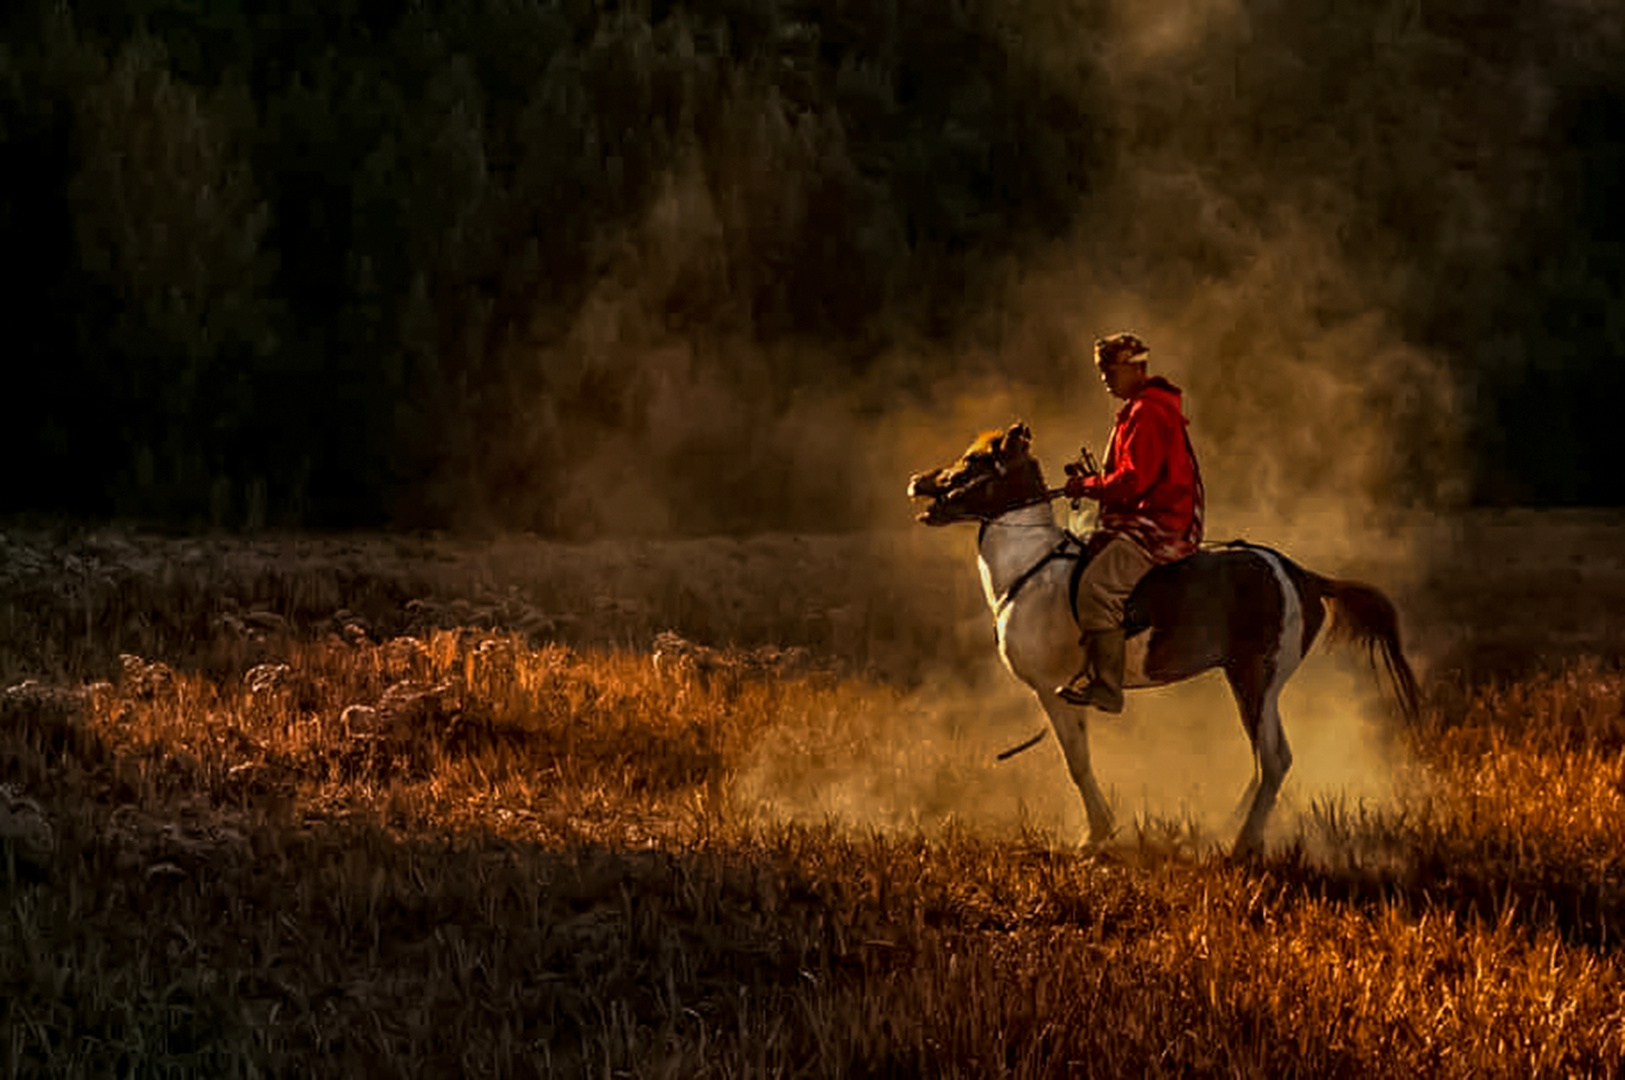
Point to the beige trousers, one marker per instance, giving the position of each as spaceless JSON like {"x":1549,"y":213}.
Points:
{"x":1106,"y":582}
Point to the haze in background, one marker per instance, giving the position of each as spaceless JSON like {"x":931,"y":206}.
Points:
{"x":1315,"y":414}
{"x":1322,"y":431}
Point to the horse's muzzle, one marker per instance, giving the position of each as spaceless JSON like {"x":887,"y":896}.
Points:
{"x":928,"y":486}
{"x":924,"y":485}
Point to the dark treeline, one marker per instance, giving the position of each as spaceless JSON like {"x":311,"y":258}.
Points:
{"x":325,"y":263}
{"x":296,"y":262}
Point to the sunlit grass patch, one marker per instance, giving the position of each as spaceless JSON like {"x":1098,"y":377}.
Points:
{"x":429,"y":721}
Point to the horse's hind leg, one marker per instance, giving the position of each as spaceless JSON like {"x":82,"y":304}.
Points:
{"x":1257,"y":691}
{"x":1247,"y":685}
{"x":1071,"y":730}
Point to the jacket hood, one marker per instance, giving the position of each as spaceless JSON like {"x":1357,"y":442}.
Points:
{"x":1163,"y":394}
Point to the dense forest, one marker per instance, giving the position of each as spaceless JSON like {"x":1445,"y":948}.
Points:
{"x":380,"y":263}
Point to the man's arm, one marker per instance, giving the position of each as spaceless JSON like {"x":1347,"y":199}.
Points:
{"x":1137,"y":459}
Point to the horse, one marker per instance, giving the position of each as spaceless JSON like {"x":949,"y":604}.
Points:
{"x":1243,"y":608}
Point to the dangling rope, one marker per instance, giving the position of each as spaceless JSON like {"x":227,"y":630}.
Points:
{"x":1028,"y":745}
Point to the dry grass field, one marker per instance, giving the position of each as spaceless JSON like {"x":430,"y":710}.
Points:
{"x":409,"y":806}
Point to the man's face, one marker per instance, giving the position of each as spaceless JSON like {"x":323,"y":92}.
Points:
{"x":1122,"y":377}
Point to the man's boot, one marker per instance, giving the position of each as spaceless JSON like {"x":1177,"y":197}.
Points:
{"x":1103,"y":654}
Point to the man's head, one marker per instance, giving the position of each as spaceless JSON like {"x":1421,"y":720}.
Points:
{"x":1121,"y":359}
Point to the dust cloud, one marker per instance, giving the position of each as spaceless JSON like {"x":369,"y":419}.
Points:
{"x":1321,"y":431}
{"x":1175,"y":760}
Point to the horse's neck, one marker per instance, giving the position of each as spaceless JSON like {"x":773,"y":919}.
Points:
{"x":1012,"y":543}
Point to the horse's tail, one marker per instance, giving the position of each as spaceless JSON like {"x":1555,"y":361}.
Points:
{"x":1363,"y":616}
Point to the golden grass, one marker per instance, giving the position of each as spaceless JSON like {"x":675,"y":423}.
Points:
{"x":471,"y":850}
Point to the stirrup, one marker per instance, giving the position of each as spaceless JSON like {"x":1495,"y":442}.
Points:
{"x":1096,"y":695}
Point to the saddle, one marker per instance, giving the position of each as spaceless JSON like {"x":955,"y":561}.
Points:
{"x":1161,"y":584}
{"x":1137,"y":618}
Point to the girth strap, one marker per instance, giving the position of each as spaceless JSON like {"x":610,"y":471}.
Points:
{"x":1072,"y":586}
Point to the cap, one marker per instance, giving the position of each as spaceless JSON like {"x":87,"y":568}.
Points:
{"x":1119,"y":348}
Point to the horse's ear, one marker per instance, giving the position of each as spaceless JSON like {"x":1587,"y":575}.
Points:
{"x":1018,"y":438}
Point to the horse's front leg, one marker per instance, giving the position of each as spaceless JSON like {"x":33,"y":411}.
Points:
{"x":1072,"y":730}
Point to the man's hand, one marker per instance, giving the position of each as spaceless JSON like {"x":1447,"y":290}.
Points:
{"x":1077,"y":472}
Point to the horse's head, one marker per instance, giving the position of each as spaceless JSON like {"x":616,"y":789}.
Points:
{"x":996,"y":474}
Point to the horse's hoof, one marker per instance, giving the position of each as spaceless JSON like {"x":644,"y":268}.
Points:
{"x":1100,"y":851}
{"x":1245,"y":853}
{"x":1097,"y":843}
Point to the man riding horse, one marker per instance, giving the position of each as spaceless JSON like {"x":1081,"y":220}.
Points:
{"x":1151,"y":503}
{"x":1243,"y":608}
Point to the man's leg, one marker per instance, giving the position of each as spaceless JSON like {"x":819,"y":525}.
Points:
{"x":1106,"y":582}
{"x":1103,"y":658}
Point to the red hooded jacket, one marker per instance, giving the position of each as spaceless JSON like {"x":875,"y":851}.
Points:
{"x":1150,"y":489}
